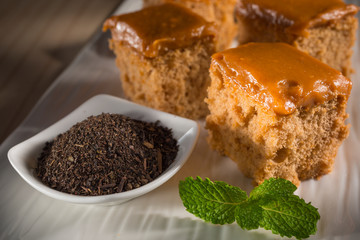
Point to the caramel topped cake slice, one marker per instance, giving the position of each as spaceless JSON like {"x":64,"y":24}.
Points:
{"x":163,"y":53}
{"x":220,"y":12}
{"x":158,"y":29}
{"x":276,"y":111}
{"x":297,"y":15}
{"x":323,"y":28}
{"x":280,"y":77}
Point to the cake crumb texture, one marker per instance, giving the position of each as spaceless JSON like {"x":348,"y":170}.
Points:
{"x":174,"y":82}
{"x":163,"y":53}
{"x":297,"y":146}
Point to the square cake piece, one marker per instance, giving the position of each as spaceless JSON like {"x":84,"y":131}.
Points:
{"x":276,"y":111}
{"x":325,"y":29}
{"x":221,"y":12}
{"x":163,"y":53}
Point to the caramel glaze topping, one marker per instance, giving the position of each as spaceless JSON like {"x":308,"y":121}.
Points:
{"x":296,"y":15}
{"x":280,"y":77}
{"x":154,"y":30}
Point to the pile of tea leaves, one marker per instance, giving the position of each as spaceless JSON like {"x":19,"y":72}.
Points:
{"x":105,"y":154}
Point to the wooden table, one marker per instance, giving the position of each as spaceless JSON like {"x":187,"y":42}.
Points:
{"x":38,"y":39}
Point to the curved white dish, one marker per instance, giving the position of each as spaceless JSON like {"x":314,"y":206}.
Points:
{"x":23,"y":157}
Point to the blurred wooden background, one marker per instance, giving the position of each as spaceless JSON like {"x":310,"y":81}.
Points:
{"x":38,"y":39}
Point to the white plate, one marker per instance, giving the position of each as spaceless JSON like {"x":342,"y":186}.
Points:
{"x":23,"y":157}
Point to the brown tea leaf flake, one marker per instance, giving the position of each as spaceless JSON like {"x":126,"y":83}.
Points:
{"x":106,"y":154}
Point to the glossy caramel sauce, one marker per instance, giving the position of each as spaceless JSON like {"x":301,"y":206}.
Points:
{"x":280,"y":77}
{"x":296,"y":15}
{"x":154,"y":30}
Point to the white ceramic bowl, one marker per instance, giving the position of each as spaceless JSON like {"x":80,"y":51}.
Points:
{"x":23,"y":157}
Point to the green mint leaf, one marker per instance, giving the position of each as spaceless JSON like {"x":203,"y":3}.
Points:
{"x":289,"y":216}
{"x":272,"y":205}
{"x":249,"y":215}
{"x":273,"y":186}
{"x":213,"y":202}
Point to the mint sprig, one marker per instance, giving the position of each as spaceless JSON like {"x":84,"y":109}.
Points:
{"x":271,"y":205}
